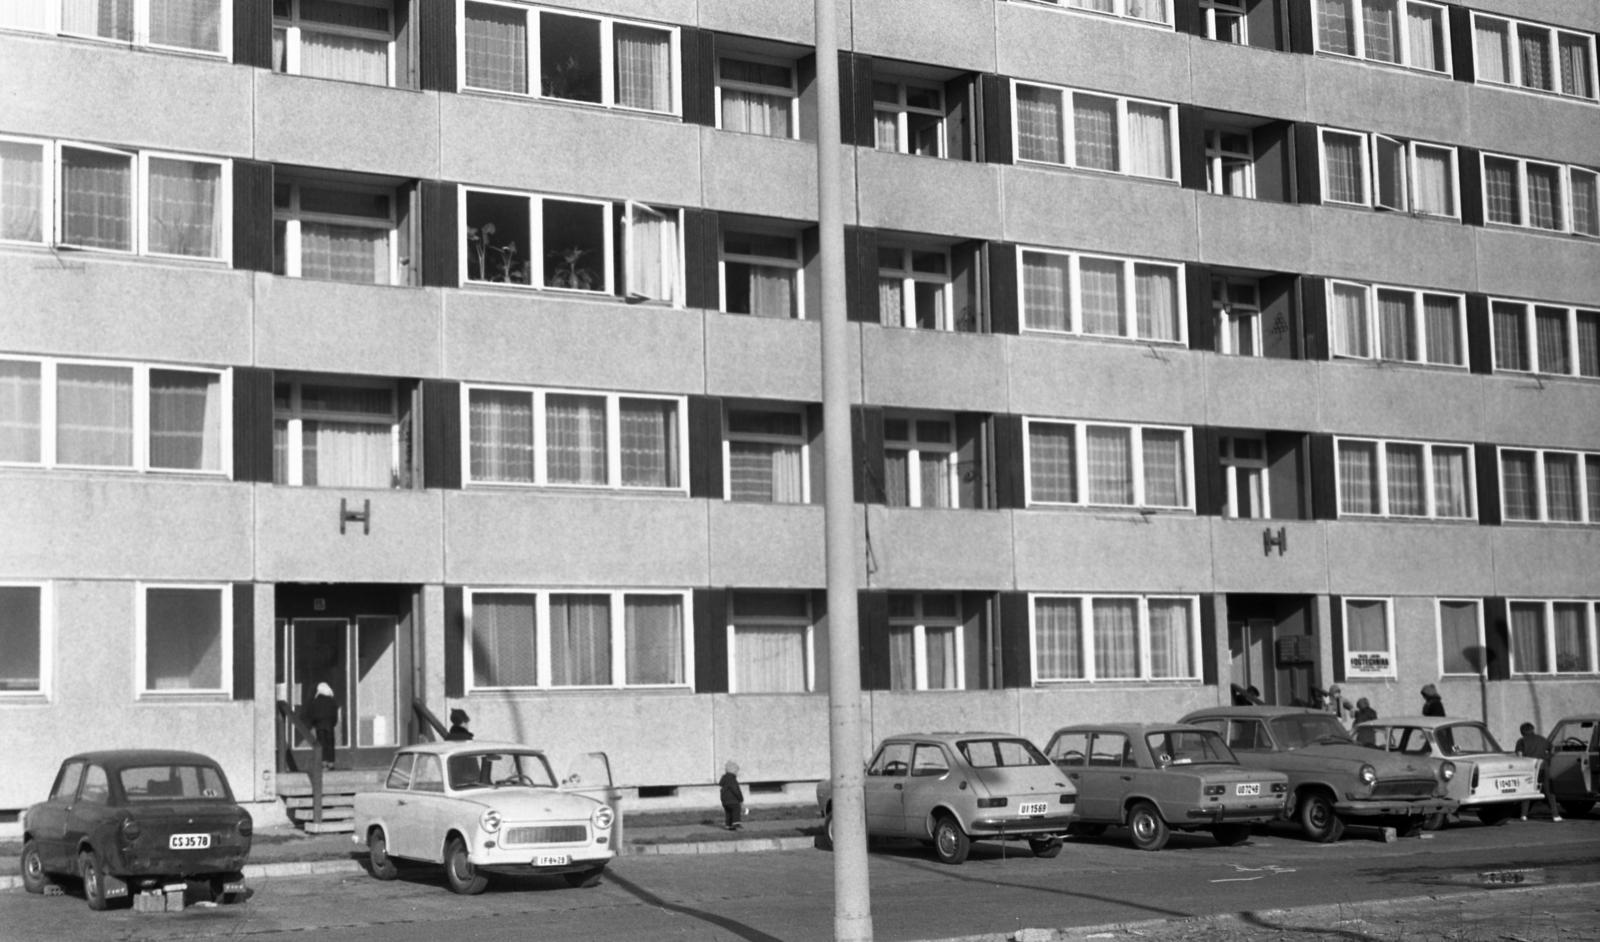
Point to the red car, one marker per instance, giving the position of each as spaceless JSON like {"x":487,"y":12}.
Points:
{"x":130,"y":819}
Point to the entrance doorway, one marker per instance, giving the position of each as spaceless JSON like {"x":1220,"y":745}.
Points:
{"x":1272,"y":647}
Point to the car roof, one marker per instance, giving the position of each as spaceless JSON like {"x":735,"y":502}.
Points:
{"x":1132,"y":729}
{"x":128,"y":758}
{"x":1426,"y":722}
{"x":1252,"y":711}
{"x":453,"y":747}
{"x":951,"y":738}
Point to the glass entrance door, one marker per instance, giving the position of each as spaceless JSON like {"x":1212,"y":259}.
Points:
{"x":366,"y":687}
{"x":318,"y":654}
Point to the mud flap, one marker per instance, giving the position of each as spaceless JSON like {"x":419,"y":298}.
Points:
{"x":115,"y":887}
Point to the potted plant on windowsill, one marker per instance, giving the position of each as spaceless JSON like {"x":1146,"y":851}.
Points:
{"x":567,"y":273}
{"x":480,"y":238}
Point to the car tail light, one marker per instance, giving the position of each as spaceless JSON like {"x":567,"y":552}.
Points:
{"x":130,"y":830}
{"x":246,"y":825}
{"x":993,"y":802}
{"x":604,"y":817}
{"x":1279,"y":788}
{"x":1216,"y":789}
{"x":1069,"y":799}
{"x":489,"y":820}
{"x":1447,"y":770}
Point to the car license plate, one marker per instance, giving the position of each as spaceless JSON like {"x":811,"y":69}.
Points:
{"x":551,"y":860}
{"x":1506,"y":785}
{"x":189,"y":842}
{"x":1033,"y":807}
{"x":1247,"y":788}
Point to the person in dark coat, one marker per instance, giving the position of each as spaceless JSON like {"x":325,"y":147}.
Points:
{"x":1364,"y":712}
{"x":323,"y":715}
{"x":1432,"y":703}
{"x":458,"y":726}
{"x":1534,"y":746}
{"x":732,"y":797}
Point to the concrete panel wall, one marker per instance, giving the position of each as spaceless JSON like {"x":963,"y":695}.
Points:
{"x":934,"y":32}
{"x":941,"y":549}
{"x":1392,"y":248}
{"x":1371,"y":558}
{"x":737,"y":172}
{"x":1087,"y":551}
{"x":934,"y":370}
{"x":773,"y":737}
{"x":1524,"y":264}
{"x":1068,"y":48}
{"x":1546,"y":561}
{"x":766,"y":545}
{"x":345,"y":126}
{"x":1530,"y":124}
{"x":1240,"y":561}
{"x":1101,"y":212}
{"x":1276,"y":89}
{"x":659,"y":11}
{"x":297,"y":536}
{"x":894,"y":713}
{"x":763,"y":358}
{"x":1254,"y":233}
{"x":1555,"y":12}
{"x":1362,"y":96}
{"x":342,"y":328}
{"x":1261,"y":393}
{"x":1528,"y":410}
{"x":954,"y":198}
{"x":1364,"y":397}
{"x":785,"y":20}
{"x":1086,"y":379}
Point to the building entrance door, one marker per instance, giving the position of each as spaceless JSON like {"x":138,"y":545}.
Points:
{"x":1250,"y":644}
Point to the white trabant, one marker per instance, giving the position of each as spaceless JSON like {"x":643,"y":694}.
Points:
{"x":1489,"y":781}
{"x":486,"y":807}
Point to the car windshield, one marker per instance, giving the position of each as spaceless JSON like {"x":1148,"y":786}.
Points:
{"x":1189,"y":747}
{"x":470,"y":770}
{"x":1465,"y":739}
{"x":994,"y":753}
{"x":1302,"y":729}
{"x":169,"y":782}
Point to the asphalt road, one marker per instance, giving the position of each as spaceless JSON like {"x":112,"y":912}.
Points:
{"x":787,"y":897}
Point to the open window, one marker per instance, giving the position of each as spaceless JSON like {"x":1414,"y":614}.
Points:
{"x":653,"y":253}
{"x":909,"y":116}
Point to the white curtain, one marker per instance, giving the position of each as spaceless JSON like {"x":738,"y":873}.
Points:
{"x":1100,"y":6}
{"x":1110,"y":465}
{"x":1550,"y":334}
{"x":20,"y":403}
{"x":1527,"y":638}
{"x":654,"y":257}
{"x":897,"y":477}
{"x":644,"y":68}
{"x":187,"y":24}
{"x":1575,"y":66}
{"x":764,"y":472}
{"x":652,"y":627}
{"x":1095,"y":132}
{"x":1425,"y":32}
{"x":497,"y":48}
{"x":940,"y":645}
{"x":1561,"y":488}
{"x":769,"y":659}
{"x":1441,"y":318}
{"x":185,"y":207}
{"x":1150,"y":141}
{"x":1572,"y":638}
{"x":1156,"y":301}
{"x":886,"y":131}
{"x":1366,"y":629}
{"x":348,"y":454}
{"x":771,"y":290}
{"x":1380,"y":22}
{"x":1432,"y":192}
{"x":185,"y":420}
{"x":1585,"y":203}
{"x":1358,"y":478}
{"x":504,"y":640}
{"x":94,"y":415}
{"x":580,"y":640}
{"x":1405,"y":479}
{"x":755,"y":112}
{"x":1153,"y":10}
{"x":1510,"y":343}
{"x":358,"y":254}
{"x":1450,"y":496}
{"x":649,"y":430}
{"x":1116,"y":639}
{"x":1500,"y":184}
{"x":1518,"y":483}
{"x":1046,"y":284}
{"x":1040,"y":124}
{"x":1336,"y":26}
{"x":1458,"y":637}
{"x":1534,"y":48}
{"x":1052,"y":468}
{"x":575,"y":433}
{"x":1100,"y":284}
{"x":183,"y":639}
{"x":107,"y":19}
{"x":1346,"y":181}
{"x":1397,"y":339}
{"x":892,"y":301}
{"x":1494,"y":51}
{"x":22,"y":14}
{"x":1544,"y":196}
{"x":902,"y":657}
{"x":1058,"y":638}
{"x":1350,"y":320}
{"x":97,"y":199}
{"x":346,"y":58}
{"x":500,"y":436}
{"x":21,"y":191}
{"x":934,"y":467}
{"x":1166,"y":481}
{"x":1169,"y":639}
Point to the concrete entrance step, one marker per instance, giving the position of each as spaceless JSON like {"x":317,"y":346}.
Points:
{"x":331,"y":827}
{"x":294,"y":784}
{"x":303,"y":815}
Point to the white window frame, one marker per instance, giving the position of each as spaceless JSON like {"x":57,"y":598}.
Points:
{"x":1402,"y":36}
{"x":140,"y":455}
{"x":51,"y":25}
{"x":1225,"y":309}
{"x":142,"y":640}
{"x":908,"y":284}
{"x":1216,"y":154}
{"x":619,"y":647}
{"x":296,"y":416}
{"x":792,"y":92}
{"x":797,"y":263}
{"x":1352,"y":672}
{"x":1429,"y":485}
{"x":1541,"y":488}
{"x":292,"y":35}
{"x":1514,"y":59}
{"x":292,"y":217}
{"x":1374,"y":323}
{"x":1130,"y":295}
{"x":1080,"y":452}
{"x":1069,"y":131}
{"x":1548,"y":620}
{"x":613,"y":402}
{"x":536,"y":248}
{"x":1365,"y":149}
{"x":803,"y":440}
{"x":1232,"y":466}
{"x":900,"y":109}
{"x":49,"y":194}
{"x":919,"y":623}
{"x":1085,"y":603}
{"x":1438,"y":628}
{"x":1528,"y":328}
{"x":1215,"y":9}
{"x":1408,"y":193}
{"x":673,"y":279}
{"x":1119,"y":9}
{"x":608,"y":49}
{"x":809,"y":627}
{"x":47,"y":641}
{"x":915,"y":448}
{"x":1564,"y":174}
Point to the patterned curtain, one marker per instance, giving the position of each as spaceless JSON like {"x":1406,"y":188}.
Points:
{"x":1441,"y":318}
{"x":644,"y":67}
{"x":94,"y":415}
{"x":1451,"y":497}
{"x":1100,"y":286}
{"x":1500,"y":183}
{"x":653,"y":631}
{"x":575,"y":435}
{"x":1406,"y":495}
{"x":21,"y":191}
{"x":1358,"y":478}
{"x":20,"y":418}
{"x":1165,"y":475}
{"x":504,"y":640}
{"x":892,"y":301}
{"x":186,"y":420}
{"x":1155,"y":299}
{"x":1561,"y":492}
{"x":649,"y":431}
{"x":1518,"y":482}
{"x":764,"y":472}
{"x":358,"y":254}
{"x":97,"y":198}
{"x":1346,"y":179}
{"x":500,"y":436}
{"x":1534,"y":46}
{"x":185,"y":208}
{"x":1336,"y":26}
{"x":1527,"y":638}
{"x":1095,"y":131}
{"x":497,"y":48}
{"x":1046,"y":287}
{"x":1058,"y":632}
{"x":1169,"y":639}
{"x":1380,"y":23}
{"x":1052,"y":465}
{"x":1575,"y":66}
{"x":1110,"y":465}
{"x":1039,"y":124}
{"x":580,"y":640}
{"x":1585,"y":202}
{"x":1116,"y":639}
{"x":1544,"y":196}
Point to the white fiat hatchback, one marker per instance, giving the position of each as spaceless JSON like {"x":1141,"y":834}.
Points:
{"x":480,"y":808}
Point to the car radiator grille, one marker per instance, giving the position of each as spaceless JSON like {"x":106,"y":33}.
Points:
{"x":548,"y":834}
{"x":1405,"y":788}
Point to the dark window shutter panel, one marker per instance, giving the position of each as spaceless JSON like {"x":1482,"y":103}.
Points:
{"x":1009,"y":462}
{"x":441,"y":434}
{"x":1274,"y":161}
{"x":1016,"y":641}
{"x":699,"y":76}
{"x":252,"y":215}
{"x":1480,"y":352}
{"x":1462,"y":43}
{"x":1202,"y":319}
{"x":977,"y":619}
{"x":1280,"y":318}
{"x":441,"y":228}
{"x":972,"y":454}
{"x":1210,"y":483}
{"x":861,"y":274}
{"x":252,"y":424}
{"x":1192,"y":145}
{"x":805,"y":76}
{"x":710,"y":641}
{"x":866,"y":431}
{"x":1336,"y":635}
{"x":252,"y":33}
{"x":996,"y":146}
{"x":961,"y":109}
{"x":1486,"y":468}
{"x":701,"y":241}
{"x":1001,"y":263}
{"x":856,"y":112}
{"x":1268,"y":25}
{"x":1497,"y":637}
{"x":1307,"y":164}
{"x":1471,"y":177}
{"x":1187,"y":17}
{"x":1208,"y":639}
{"x":1300,"y":16}
{"x":455,"y":641}
{"x":872,"y":629}
{"x":705,"y":447}
{"x":1324,"y":484}
{"x":1314,"y":317}
{"x":966,"y":265}
{"x":244,"y":641}
{"x":438,"y":45}
{"x":819,"y":458}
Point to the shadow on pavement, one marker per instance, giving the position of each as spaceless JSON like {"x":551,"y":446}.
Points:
{"x":987,"y":878}
{"x":722,"y":922}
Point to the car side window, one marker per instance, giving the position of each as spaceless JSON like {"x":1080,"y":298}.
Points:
{"x":1577,"y":736}
{"x":894,"y":759}
{"x":96,"y":787}
{"x":67,"y":783}
{"x":400,"y":772}
{"x":929,"y":760}
{"x":1248,"y":736}
{"x":1368,"y":736}
{"x":429,"y":775}
{"x":1070,"y":749}
{"x":1109,"y":750}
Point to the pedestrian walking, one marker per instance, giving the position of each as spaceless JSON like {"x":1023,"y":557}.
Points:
{"x":1432,"y":703}
{"x":323,"y":715}
{"x":1338,"y":705}
{"x":458,"y":726}
{"x":1364,"y":712}
{"x":1534,"y":746}
{"x":732,"y":797}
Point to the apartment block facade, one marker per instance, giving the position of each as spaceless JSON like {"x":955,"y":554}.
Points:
{"x":466,"y":353}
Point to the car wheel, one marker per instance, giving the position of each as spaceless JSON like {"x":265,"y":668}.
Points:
{"x":950,"y":843}
{"x":94,"y":883}
{"x":463,"y":876}
{"x":34,"y":879}
{"x":383,"y":866}
{"x":1080,"y":829}
{"x":1435,"y":821}
{"x":1148,"y":830}
{"x":1045,"y":847}
{"x":1496,"y":814}
{"x":1577,"y":809}
{"x":1318,"y":819}
{"x":584,"y":879}
{"x":1230,"y":835}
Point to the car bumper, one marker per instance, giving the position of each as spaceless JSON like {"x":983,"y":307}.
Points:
{"x":528,"y":861}
{"x":1416,"y":806}
{"x":164,"y":862}
{"x":1220,"y":814}
{"x":1501,"y":798}
{"x":1045,"y":824}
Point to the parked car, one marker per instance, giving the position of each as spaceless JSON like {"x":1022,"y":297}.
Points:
{"x":1333,"y":780}
{"x":128,"y":819}
{"x":1575,"y":763}
{"x":484,"y":807}
{"x":949,"y":789}
{"x":1489,"y":782}
{"x":1154,"y":778}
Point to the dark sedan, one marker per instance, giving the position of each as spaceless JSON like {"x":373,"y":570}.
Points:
{"x":131,"y":819}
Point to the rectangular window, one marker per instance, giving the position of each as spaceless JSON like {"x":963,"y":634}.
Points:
{"x":1405,"y":325}
{"x":1236,"y":303}
{"x":344,"y":40}
{"x":1067,"y":292}
{"x":568,"y":56}
{"x":1389,"y":173}
{"x":135,"y":417}
{"x":335,"y":231}
{"x":25,"y":640}
{"x":1461,"y":648}
{"x":920,"y":466}
{"x":334,"y":433}
{"x":1404,"y":479}
{"x":1552,"y":637}
{"x":1532,"y":56}
{"x":1542,"y":338}
{"x":772,"y":648}
{"x":908,"y":117}
{"x":761,"y":273}
{"x":1100,"y":638}
{"x":767,"y":458}
{"x":1230,"y":163}
{"x":1546,"y":486}
{"x":1149,"y":11}
{"x":555,"y":438}
{"x":195,"y":26}
{"x":1368,"y":638}
{"x":1097,"y":132}
{"x":185,"y":642}
{"x":1108,"y":465}
{"x":914,"y":288}
{"x":1245,"y":469}
{"x":539,"y":241}
{"x":539,"y":639}
{"x":1226,"y":21}
{"x":1410,"y":33}
{"x":926,"y":649}
{"x":758,"y":95}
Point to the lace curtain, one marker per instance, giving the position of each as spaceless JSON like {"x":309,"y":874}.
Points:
{"x":1575,"y":66}
{"x":186,"y":420}
{"x":1510,"y":346}
{"x":1052,"y":463}
{"x":20,"y":404}
{"x":1441,"y":317}
{"x":97,"y":199}
{"x":347,"y":454}
{"x":769,"y":659}
{"x":500,"y":436}
{"x":755,"y":112}
{"x":1406,"y":495}
{"x":187,"y":24}
{"x":891,"y":301}
{"x":1350,"y":320}
{"x":1165,"y":476}
{"x":1116,"y":639}
{"x":1100,"y":285}
{"x":185,"y":207}
{"x":649,"y":432}
{"x":1533,"y":45}
{"x":1517,"y":482}
{"x":1366,"y":629}
{"x":653,"y":637}
{"x":1040,"y":117}
{"x":1169,"y":639}
{"x":1527,"y":638}
{"x":1155,"y":299}
{"x":504,"y":640}
{"x":580,"y":640}
{"x":94,"y":415}
{"x":575,"y":436}
{"x":1058,"y":631}
{"x":644,"y":68}
{"x":356,"y":254}
{"x":1110,"y":453}
{"x":1046,"y":283}
{"x":497,"y":48}
{"x":21,"y":191}
{"x":1450,"y":496}
{"x":1358,"y":478}
{"x":1095,"y":131}
{"x":346,"y":58}
{"x":1150,"y":141}
{"x":1346,"y":181}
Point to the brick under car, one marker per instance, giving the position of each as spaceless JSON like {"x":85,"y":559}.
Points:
{"x":130,"y":819}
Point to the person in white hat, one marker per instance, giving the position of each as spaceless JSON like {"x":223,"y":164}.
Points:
{"x":732,"y":797}
{"x":323,"y":715}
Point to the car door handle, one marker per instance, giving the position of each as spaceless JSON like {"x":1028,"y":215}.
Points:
{"x":898,"y":786}
{"x":1127,"y":778}
{"x":400,"y":803}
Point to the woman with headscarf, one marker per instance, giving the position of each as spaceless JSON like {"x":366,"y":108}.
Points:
{"x":323,"y":715}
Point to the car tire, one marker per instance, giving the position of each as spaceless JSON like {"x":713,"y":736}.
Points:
{"x":464,"y":878}
{"x":94,"y":880}
{"x":1577,"y":809}
{"x":1230,"y":835}
{"x":383,"y":866}
{"x":1082,"y":829}
{"x":1435,"y":821}
{"x":584,"y":879}
{"x":950,"y":844}
{"x":34,"y":879}
{"x":1145,"y":825}
{"x":1318,"y":819}
{"x":1493,"y":815}
{"x":1045,"y":847}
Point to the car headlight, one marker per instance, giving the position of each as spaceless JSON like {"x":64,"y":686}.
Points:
{"x":490,"y":820}
{"x":1447,"y":770}
{"x":603,"y":818}
{"x":1369,"y":774}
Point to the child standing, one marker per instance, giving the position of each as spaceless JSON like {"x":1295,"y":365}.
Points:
{"x":732,"y":797}
{"x":1534,"y":746}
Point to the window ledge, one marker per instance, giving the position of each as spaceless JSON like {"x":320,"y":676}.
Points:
{"x":1377,"y":363}
{"x":1535,"y":92}
{"x":18,"y":698}
{"x":537,"y":693}
{"x":1117,"y":513}
{"x":577,"y":490}
{"x":579,"y":106}
{"x":1024,"y":164}
{"x":323,"y":78}
{"x":1407,"y":521}
{"x":185,"y":697}
{"x":1384,"y":66}
{"x":1132,"y":683}
{"x":1536,"y":230}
